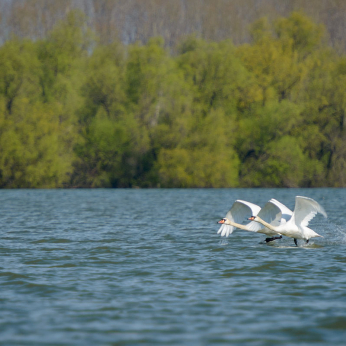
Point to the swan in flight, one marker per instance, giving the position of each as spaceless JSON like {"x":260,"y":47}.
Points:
{"x":296,"y":227}
{"x":274,"y":212}
{"x":238,"y":212}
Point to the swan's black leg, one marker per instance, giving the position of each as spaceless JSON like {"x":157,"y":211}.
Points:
{"x":295,"y":241}
{"x":307,"y":241}
{"x":273,"y":238}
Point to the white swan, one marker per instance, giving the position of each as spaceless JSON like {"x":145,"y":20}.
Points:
{"x":296,"y":227}
{"x":274,"y":212}
{"x":238,"y":212}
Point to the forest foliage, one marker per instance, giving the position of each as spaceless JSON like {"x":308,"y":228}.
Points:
{"x":79,"y":112}
{"x":139,"y":20}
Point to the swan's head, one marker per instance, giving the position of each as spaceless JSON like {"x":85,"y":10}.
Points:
{"x":224,"y":220}
{"x":252,"y":218}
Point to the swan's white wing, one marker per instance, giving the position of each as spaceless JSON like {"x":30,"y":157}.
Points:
{"x":238,"y":212}
{"x":225,"y":230}
{"x":270,"y":213}
{"x":286,"y":213}
{"x":305,"y":210}
{"x":241,"y":210}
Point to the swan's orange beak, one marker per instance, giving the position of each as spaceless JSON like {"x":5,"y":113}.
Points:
{"x":222,"y":221}
{"x":251,"y":218}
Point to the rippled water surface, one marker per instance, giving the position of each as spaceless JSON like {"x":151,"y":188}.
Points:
{"x":146,"y":267}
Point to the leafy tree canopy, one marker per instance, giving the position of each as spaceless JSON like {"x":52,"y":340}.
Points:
{"x":75,"y":112}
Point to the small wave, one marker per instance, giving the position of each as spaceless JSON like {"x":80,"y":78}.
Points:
{"x":11,"y":275}
{"x":66,"y":265}
{"x":52,"y":240}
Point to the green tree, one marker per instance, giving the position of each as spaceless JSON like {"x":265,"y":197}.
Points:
{"x":271,"y":155}
{"x":31,"y":151}
{"x":205,"y":158}
{"x":38,"y":129}
{"x":74,"y":112}
{"x":114,"y":144}
{"x":323,"y":133}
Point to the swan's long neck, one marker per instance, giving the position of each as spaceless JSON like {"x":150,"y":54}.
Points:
{"x":238,"y":225}
{"x":266,"y":224}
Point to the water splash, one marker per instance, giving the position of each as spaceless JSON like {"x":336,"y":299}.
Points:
{"x":334,"y":234}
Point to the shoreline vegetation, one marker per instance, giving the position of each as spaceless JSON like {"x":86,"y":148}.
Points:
{"x":79,"y":112}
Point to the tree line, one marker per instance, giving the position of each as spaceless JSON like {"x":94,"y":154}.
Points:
{"x":78,"y":112}
{"x":139,"y":20}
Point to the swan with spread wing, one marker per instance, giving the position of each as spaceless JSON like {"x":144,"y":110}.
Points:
{"x":296,"y":227}
{"x":274,"y":213}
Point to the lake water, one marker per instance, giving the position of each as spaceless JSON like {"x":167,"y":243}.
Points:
{"x":146,"y":267}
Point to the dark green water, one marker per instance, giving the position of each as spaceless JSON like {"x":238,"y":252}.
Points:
{"x":146,"y":267}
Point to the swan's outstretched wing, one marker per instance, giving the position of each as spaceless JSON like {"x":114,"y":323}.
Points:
{"x":270,"y":213}
{"x":238,"y":212}
{"x":286,"y":213}
{"x":305,"y":210}
{"x":225,"y":230}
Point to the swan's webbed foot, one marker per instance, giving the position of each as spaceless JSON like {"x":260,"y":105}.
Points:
{"x":295,"y":241}
{"x":307,"y":241}
{"x":267,"y":240}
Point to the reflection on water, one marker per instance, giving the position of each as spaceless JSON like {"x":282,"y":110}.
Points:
{"x":131,"y":267}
